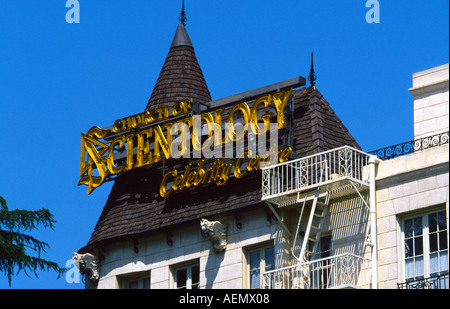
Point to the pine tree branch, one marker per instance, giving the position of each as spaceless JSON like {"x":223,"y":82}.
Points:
{"x":14,"y":244}
{"x":25,"y":219}
{"x":20,"y":239}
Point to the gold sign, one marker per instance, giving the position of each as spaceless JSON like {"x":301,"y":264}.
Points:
{"x":218,"y":173}
{"x":147,"y":138}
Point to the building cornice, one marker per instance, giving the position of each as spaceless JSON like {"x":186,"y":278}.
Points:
{"x":429,"y":88}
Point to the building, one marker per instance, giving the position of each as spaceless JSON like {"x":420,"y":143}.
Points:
{"x":308,"y":221}
{"x":412,"y":193}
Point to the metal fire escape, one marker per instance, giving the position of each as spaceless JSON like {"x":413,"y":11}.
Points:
{"x":312,"y":234}
{"x":308,"y":184}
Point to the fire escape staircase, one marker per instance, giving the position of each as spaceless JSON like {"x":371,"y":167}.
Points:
{"x":317,"y":213}
{"x":308,"y":184}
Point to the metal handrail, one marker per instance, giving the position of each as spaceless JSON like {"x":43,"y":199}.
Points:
{"x":318,"y":169}
{"x":315,"y":155}
{"x":435,"y":282}
{"x":314,"y":261}
{"x":342,"y":270}
{"x":419,"y":144}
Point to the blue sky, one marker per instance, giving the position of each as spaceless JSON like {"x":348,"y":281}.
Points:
{"x":58,"y":80}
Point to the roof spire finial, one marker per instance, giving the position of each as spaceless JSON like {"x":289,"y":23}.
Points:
{"x":312,"y":75}
{"x":182,"y":17}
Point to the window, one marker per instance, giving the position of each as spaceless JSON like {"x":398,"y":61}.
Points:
{"x":259,"y":261}
{"x":187,"y":277}
{"x":140,"y":280}
{"x":425,"y":249}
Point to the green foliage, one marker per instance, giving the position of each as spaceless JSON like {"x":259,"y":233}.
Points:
{"x":14,"y":243}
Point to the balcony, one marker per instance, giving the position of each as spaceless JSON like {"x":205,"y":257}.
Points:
{"x":336,"y":170}
{"x":436,"y":282}
{"x":344,"y":271}
{"x":414,"y":146}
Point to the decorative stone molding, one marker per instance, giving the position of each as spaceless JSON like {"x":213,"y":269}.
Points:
{"x":216,"y":233}
{"x":88,"y":265}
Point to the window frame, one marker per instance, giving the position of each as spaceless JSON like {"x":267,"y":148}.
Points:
{"x":188,"y":267}
{"x":140,"y":277}
{"x":426,"y":249}
{"x":261,"y":249}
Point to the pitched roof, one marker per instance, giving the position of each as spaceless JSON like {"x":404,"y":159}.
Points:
{"x":181,"y":77}
{"x":317,"y":128}
{"x":135,"y":208}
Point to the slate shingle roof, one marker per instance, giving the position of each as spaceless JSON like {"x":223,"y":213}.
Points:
{"x":317,"y":128}
{"x":181,"y":77}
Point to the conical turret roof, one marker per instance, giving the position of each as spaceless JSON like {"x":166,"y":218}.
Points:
{"x":181,"y":77}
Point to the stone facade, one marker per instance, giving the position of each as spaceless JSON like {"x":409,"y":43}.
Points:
{"x":158,"y":259}
{"x":430,"y":90}
{"x":406,"y":186}
{"x":417,"y":183}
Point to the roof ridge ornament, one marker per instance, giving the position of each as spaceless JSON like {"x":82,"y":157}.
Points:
{"x":183,"y":17}
{"x":312,"y":75}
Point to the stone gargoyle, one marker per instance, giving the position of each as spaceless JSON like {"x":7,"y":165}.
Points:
{"x":88,"y":265}
{"x":216,"y":233}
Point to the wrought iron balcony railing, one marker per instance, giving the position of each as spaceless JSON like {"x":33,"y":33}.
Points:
{"x":339,"y":271}
{"x":435,"y":282}
{"x":411,"y":146}
{"x":312,"y":171}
